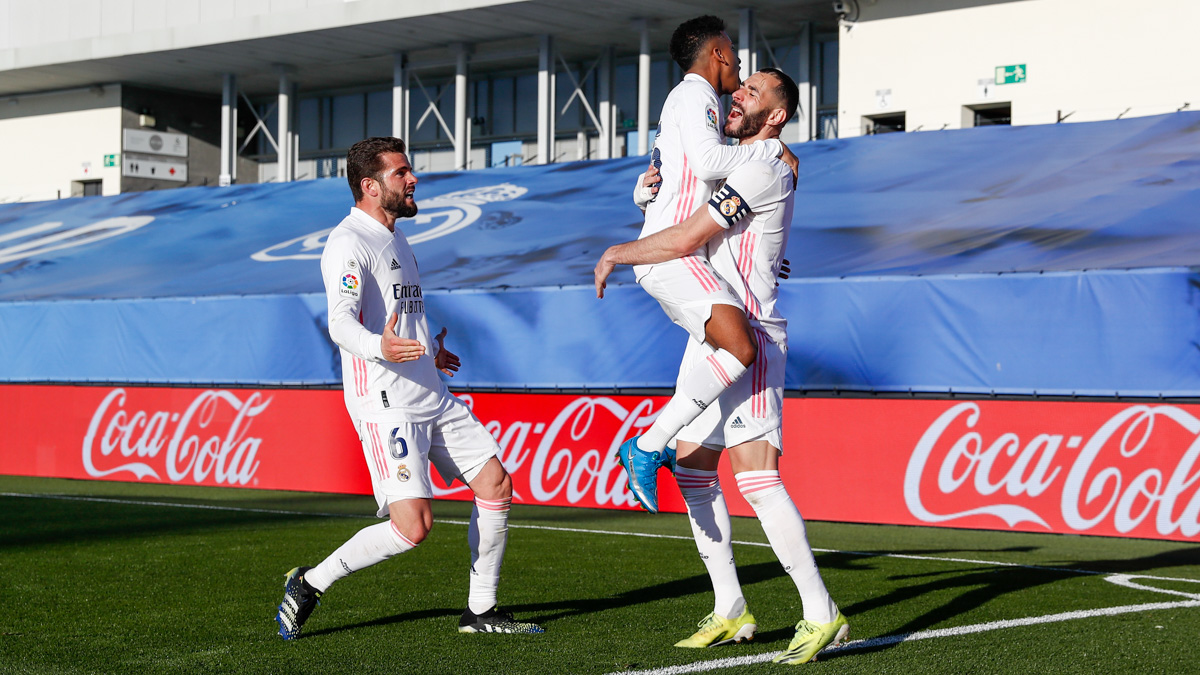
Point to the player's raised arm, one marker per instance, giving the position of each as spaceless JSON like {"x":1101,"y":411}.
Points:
{"x":674,"y":242}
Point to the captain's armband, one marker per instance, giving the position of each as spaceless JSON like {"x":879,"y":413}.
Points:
{"x":727,"y":207}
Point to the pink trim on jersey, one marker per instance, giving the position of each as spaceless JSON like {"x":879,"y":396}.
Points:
{"x":688,"y":481}
{"x":687,"y":193}
{"x":396,"y":531}
{"x":493,"y":504}
{"x":758,"y":399}
{"x":707,"y":281}
{"x":377,"y":450}
{"x":751,"y":484}
{"x":745,"y":263}
{"x":719,"y":370}
{"x":360,"y":376}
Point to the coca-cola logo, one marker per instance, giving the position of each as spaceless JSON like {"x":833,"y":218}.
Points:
{"x":1108,"y":478}
{"x":207,"y":439}
{"x":559,"y":461}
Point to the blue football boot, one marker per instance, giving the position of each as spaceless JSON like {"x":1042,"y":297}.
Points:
{"x":642,"y":471}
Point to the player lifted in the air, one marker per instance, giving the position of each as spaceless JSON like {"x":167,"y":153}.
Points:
{"x":405,"y":416}
{"x":691,"y":156}
{"x":744,"y":229}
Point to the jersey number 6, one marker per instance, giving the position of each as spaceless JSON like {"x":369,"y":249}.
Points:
{"x":396,"y":445}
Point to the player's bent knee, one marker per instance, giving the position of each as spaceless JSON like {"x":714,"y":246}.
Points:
{"x":492,"y":482}
{"x":745,"y":351}
{"x":413,"y":532}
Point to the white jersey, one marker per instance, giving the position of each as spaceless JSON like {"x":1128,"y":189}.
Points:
{"x":755,"y":208}
{"x":691,"y":154}
{"x":370,"y":272}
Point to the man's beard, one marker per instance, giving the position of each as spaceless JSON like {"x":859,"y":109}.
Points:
{"x":396,"y":205}
{"x":751,"y":125}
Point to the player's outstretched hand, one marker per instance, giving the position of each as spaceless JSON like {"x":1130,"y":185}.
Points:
{"x":603,"y":269}
{"x":790,"y":159}
{"x":398,"y":349}
{"x":446,"y":360}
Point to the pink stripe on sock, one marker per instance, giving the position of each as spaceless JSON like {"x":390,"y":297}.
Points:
{"x":719,"y":371}
{"x":747,"y":489}
{"x":406,"y":540}
{"x":750,"y":484}
{"x":493,"y":504}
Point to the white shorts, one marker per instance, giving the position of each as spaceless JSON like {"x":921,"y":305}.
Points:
{"x":750,"y":410}
{"x":399,"y":452}
{"x":687,"y":289}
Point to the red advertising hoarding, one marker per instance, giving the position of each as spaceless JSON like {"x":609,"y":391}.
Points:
{"x":1121,"y":469}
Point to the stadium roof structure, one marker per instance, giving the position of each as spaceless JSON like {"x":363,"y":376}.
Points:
{"x":190,"y":45}
{"x":1050,"y":259}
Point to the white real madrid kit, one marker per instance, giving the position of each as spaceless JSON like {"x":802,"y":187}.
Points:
{"x":405,"y":415}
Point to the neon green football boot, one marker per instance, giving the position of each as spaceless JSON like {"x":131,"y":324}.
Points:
{"x":717,"y":630}
{"x":812,"y":637}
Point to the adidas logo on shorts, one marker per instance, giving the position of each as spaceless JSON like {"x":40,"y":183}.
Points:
{"x":737,"y":423}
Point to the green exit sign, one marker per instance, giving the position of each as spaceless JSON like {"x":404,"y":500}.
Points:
{"x":111,"y":160}
{"x":1010,"y":74}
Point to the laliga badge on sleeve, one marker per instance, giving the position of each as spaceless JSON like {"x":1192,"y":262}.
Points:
{"x":350,"y":284}
{"x":710,"y":117}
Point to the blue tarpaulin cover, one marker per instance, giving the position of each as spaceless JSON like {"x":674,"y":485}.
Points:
{"x":1049,"y":259}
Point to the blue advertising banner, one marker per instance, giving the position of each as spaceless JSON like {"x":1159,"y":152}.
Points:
{"x":1052,"y":259}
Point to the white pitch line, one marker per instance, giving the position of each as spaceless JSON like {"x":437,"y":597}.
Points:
{"x":705,"y":666}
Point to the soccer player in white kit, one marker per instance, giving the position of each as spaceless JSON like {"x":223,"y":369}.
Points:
{"x":744,"y":228}
{"x":405,"y":416}
{"x":691,"y":157}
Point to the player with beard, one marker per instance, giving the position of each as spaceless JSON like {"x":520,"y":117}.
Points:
{"x":744,"y":230}
{"x":405,"y":416}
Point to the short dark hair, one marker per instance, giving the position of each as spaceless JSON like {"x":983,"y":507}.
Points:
{"x":786,"y":90}
{"x":690,"y":37}
{"x":365,"y":160}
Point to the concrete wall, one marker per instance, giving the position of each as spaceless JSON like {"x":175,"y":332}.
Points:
{"x":51,"y":141}
{"x":40,"y":33}
{"x":1089,"y":59}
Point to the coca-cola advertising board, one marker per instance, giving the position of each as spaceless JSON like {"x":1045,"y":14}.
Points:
{"x":1118,"y":469}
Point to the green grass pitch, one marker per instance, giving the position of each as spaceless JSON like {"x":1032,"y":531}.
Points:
{"x":114,"y":577}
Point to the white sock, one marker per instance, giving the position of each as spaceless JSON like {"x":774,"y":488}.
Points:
{"x":712,"y":531}
{"x":785,"y":530}
{"x":695,"y":392}
{"x":368,"y":546}
{"x":487,"y":537}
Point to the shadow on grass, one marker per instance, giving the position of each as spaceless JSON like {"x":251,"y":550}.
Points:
{"x":980,"y":585}
{"x":546,"y":613}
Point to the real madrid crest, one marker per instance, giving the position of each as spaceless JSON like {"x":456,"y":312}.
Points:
{"x":402,"y":473}
{"x":728,"y":207}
